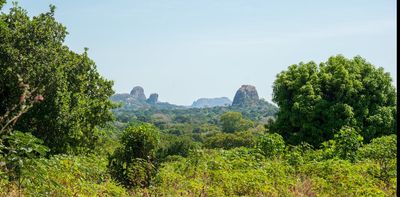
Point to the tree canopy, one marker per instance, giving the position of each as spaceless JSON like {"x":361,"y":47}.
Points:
{"x":234,"y":121}
{"x":47,"y":89}
{"x":316,"y":101}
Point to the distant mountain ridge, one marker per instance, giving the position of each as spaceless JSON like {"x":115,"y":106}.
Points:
{"x":211,"y":102}
{"x":246,"y":100}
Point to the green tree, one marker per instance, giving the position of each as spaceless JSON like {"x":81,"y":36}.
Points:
{"x":47,"y":89}
{"x":132,"y":163}
{"x":271,"y":144}
{"x":234,"y":121}
{"x":317,"y":101}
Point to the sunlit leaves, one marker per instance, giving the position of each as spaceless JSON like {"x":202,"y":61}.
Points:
{"x":317,"y":101}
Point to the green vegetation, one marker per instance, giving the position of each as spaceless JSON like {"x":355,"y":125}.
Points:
{"x":333,"y":135}
{"x":271,"y":145}
{"x":233,"y":121}
{"x":132,"y":163}
{"x":245,"y":171}
{"x":316,"y":101}
{"x":47,"y":89}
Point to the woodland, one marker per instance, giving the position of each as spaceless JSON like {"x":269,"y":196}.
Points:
{"x":331,"y":131}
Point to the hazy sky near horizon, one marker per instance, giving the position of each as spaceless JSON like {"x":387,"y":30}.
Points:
{"x":187,"y":49}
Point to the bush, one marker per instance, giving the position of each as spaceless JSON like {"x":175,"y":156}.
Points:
{"x":337,"y":177}
{"x":348,"y":141}
{"x":17,"y":150}
{"x":173,"y":145}
{"x":271,"y":145}
{"x":383,"y":151}
{"x":344,"y":145}
{"x":230,"y":140}
{"x":300,"y":154}
{"x":66,"y":175}
{"x":235,"y":172}
{"x":234,"y":121}
{"x":132,"y":164}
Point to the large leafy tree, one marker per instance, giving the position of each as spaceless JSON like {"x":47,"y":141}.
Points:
{"x":47,"y":89}
{"x":316,"y":101}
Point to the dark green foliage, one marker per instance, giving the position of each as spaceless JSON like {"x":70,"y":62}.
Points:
{"x":18,"y":145}
{"x":234,"y":121}
{"x":47,"y":89}
{"x":317,"y":101}
{"x":271,"y":144}
{"x":140,"y":141}
{"x":132,"y":163}
{"x":2,"y":2}
{"x":16,"y":151}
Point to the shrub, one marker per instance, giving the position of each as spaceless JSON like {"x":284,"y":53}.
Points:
{"x":344,"y":145}
{"x":234,"y":121}
{"x":131,"y":164}
{"x":173,"y":145}
{"x":299,"y":154}
{"x":383,"y":151}
{"x":235,"y":172}
{"x":17,"y":150}
{"x":336,"y":177}
{"x":271,"y":144}
{"x":67,"y":175}
{"x":230,"y":140}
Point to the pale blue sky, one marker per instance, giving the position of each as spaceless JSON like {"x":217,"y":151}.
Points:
{"x":189,"y":49}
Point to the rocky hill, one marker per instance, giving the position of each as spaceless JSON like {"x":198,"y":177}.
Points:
{"x":137,"y":100}
{"x":246,"y":96}
{"x":211,"y":102}
{"x":138,"y":93}
{"x":246,"y":101}
{"x":153,"y":99}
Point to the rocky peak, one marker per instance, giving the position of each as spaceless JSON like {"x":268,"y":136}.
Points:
{"x":153,"y":98}
{"x":138,"y":93}
{"x":246,"y":95}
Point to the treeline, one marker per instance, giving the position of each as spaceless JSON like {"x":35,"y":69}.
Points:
{"x":333,"y":135}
